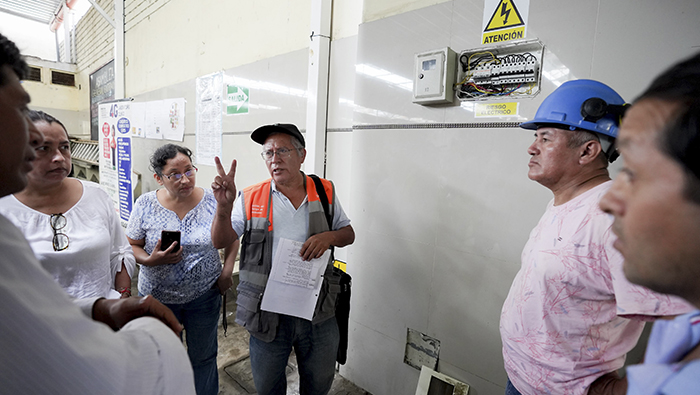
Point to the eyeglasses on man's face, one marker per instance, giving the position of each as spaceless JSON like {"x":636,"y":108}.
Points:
{"x":178,"y":176}
{"x":60,"y":239}
{"x":283,"y":153}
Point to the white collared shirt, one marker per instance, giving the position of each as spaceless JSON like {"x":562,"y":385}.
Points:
{"x":50,"y":347}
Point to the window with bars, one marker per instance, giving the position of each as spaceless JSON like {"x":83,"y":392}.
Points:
{"x":34,"y":74}
{"x":61,"y":78}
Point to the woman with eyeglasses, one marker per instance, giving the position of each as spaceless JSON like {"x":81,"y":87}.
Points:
{"x":70,"y":224}
{"x":188,"y":277}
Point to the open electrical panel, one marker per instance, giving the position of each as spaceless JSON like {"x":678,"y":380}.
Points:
{"x":506,"y":71}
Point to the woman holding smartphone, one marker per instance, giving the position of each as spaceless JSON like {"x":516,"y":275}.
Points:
{"x":71,"y":224}
{"x":187,"y":276}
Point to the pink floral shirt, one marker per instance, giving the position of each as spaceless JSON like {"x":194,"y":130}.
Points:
{"x":562,"y":324}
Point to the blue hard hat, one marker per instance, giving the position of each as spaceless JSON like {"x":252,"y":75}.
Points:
{"x":581,"y":104}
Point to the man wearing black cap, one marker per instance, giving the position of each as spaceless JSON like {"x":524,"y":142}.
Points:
{"x":287,"y":206}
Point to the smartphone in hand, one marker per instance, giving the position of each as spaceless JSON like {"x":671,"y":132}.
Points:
{"x":167,"y":237}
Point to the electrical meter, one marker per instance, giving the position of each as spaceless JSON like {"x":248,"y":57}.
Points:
{"x":434,"y":76}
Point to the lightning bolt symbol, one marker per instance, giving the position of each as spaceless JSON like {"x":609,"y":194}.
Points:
{"x":505,"y":12}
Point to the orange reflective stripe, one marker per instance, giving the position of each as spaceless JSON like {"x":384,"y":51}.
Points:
{"x":256,"y":199}
{"x":311,"y":194}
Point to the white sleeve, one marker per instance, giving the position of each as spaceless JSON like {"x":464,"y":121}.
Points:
{"x":121,"y":249}
{"x":166,"y":359}
{"x":238,"y":215}
{"x":50,"y":346}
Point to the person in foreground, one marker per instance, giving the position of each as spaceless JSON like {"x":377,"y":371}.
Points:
{"x":656,"y":204}
{"x":188,"y":278}
{"x":49,"y":343}
{"x":570,"y":316}
{"x":286,"y":206}
{"x":70,"y":224}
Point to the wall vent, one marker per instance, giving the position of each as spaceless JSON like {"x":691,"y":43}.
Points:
{"x":61,"y":78}
{"x":34,"y":74}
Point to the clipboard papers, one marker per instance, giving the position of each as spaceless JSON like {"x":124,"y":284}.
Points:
{"x":294,"y":284}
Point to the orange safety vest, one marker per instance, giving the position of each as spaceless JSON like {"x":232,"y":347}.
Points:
{"x":256,"y":258}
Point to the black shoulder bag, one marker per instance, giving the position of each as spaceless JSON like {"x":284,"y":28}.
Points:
{"x":342,"y":303}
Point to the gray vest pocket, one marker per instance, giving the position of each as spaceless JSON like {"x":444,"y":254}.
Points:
{"x":261,"y":324}
{"x":254,"y":243}
{"x":325,"y":307}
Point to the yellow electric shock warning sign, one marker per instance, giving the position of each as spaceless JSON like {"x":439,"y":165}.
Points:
{"x":488,"y":110}
{"x":505,"y":23}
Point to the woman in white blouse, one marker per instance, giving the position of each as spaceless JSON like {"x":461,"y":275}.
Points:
{"x":71,"y":224}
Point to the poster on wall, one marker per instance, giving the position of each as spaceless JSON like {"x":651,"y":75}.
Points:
{"x":163,"y":119}
{"x":504,"y":20}
{"x":152,"y":130}
{"x":138,"y":120}
{"x":168,"y":119}
{"x":101,"y":89}
{"x":115,"y":155}
{"x":174,"y":127}
{"x":209,"y":92}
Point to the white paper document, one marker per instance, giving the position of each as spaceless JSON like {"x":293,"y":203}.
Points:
{"x":294,"y":284}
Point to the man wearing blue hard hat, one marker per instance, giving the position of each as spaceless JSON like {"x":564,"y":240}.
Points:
{"x":571,"y":316}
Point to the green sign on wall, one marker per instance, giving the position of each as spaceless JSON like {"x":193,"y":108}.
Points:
{"x":237,"y":100}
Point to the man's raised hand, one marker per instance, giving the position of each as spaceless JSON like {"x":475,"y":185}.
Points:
{"x":224,"y":185}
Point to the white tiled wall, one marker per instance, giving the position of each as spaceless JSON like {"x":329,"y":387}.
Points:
{"x":441,"y":215}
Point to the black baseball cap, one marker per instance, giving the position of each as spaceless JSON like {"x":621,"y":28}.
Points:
{"x":260,"y":134}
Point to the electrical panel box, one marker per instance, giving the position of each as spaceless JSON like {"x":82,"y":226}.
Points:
{"x":507,"y":71}
{"x":434,"y":76}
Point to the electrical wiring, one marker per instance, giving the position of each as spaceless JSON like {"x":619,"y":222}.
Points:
{"x":469,"y":64}
{"x":487,"y":74}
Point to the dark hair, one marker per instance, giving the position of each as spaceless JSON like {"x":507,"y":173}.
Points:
{"x":580,"y":137}
{"x":164,"y":153}
{"x":680,"y":139}
{"x":40,"y":116}
{"x":9,"y":55}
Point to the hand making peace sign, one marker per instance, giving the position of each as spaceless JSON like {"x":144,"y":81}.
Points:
{"x":224,"y":186}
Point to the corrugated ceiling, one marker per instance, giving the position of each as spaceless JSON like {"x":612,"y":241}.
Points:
{"x":36,"y":10}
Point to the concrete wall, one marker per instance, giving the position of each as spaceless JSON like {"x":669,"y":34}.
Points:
{"x":62,"y":102}
{"x":186,"y":39}
{"x":379,"y":9}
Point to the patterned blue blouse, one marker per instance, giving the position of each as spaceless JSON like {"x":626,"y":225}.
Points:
{"x":200,"y":266}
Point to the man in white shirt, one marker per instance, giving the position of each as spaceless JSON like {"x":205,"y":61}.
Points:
{"x":49,"y":345}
